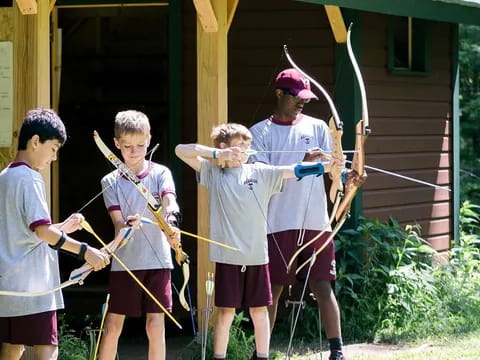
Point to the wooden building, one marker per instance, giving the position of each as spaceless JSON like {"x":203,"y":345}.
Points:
{"x":192,"y":64}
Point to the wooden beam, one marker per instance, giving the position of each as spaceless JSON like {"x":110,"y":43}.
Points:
{"x":91,"y":6}
{"x":52,"y":4}
{"x":337,"y":24}
{"x":232,"y":7}
{"x":27,"y":7}
{"x":206,"y":16}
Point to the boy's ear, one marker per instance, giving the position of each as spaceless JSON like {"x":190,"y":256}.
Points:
{"x":34,"y":141}
{"x":278,"y":93}
{"x":117,"y":144}
{"x":222,"y":145}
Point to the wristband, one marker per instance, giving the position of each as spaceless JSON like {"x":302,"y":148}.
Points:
{"x":83,"y":250}
{"x":214,"y":155}
{"x":60,"y":242}
{"x":177,"y":218}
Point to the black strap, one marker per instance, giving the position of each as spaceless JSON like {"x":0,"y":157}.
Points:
{"x":174,"y":218}
{"x":59,"y":243}
{"x":83,"y":250}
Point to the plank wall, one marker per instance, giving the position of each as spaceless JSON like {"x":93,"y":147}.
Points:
{"x":410,"y":119}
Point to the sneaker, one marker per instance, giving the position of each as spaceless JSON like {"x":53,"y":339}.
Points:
{"x":336,"y":355}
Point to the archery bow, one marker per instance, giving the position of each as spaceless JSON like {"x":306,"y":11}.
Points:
{"x":336,"y":131}
{"x":181,"y":257}
{"x":79,"y":275}
{"x":356,"y":176}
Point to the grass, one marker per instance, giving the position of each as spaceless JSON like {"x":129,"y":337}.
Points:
{"x":459,"y":348}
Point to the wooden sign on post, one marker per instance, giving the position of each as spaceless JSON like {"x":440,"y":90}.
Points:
{"x":6,"y":93}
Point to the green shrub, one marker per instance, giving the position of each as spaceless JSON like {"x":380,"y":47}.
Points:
{"x":390,"y":290}
{"x":70,"y":347}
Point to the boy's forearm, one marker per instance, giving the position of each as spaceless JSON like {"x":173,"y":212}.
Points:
{"x":170,"y":204}
{"x":194,"y":154}
{"x":53,"y":236}
{"x":194,"y":150}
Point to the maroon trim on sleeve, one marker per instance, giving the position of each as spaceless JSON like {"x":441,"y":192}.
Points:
{"x":141,"y":174}
{"x":114,"y":207}
{"x":16,"y":164}
{"x":40,"y":222}
{"x":287,"y":123}
{"x":145,"y":172}
{"x":168,"y":191}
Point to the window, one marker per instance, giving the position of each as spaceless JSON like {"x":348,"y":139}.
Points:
{"x":408,"y":46}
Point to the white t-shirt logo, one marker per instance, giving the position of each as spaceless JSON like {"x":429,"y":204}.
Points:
{"x":250,"y":183}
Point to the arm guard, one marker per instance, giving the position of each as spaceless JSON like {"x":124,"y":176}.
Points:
{"x":306,"y":169}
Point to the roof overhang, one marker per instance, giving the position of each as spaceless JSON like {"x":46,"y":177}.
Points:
{"x":455,"y":11}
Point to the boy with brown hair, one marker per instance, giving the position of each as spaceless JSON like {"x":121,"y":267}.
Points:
{"x":149,"y":255}
{"x":28,"y":240}
{"x":238,"y":199}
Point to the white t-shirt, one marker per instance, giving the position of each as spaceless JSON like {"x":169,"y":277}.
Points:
{"x":27,"y":264}
{"x":302,"y":204}
{"x":238,"y":201}
{"x":148,"y":248}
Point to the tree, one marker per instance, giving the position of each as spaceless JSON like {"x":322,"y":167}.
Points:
{"x":469,"y":61}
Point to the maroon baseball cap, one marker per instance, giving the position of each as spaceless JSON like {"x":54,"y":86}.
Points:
{"x":298,"y":84}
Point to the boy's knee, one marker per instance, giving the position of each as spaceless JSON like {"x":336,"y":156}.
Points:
{"x":11,"y":351}
{"x":154,"y":324}
{"x":225,"y":315}
{"x":321,"y":289}
{"x":113,"y":328}
{"x":258,"y":312}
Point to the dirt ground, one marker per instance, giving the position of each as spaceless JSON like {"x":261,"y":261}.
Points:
{"x":383,"y":350}
{"x":138,"y":350}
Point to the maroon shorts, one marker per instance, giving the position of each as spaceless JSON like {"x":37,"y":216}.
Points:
{"x":237,"y":289}
{"x":128,"y":298}
{"x":323,"y":269}
{"x":34,"y":329}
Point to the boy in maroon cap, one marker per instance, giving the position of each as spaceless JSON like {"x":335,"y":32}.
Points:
{"x":299,"y":213}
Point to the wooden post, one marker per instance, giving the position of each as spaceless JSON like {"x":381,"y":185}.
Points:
{"x":31,"y":54}
{"x":56,"y":71}
{"x":212,"y":105}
